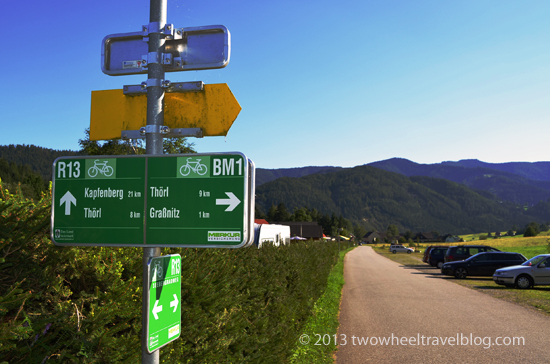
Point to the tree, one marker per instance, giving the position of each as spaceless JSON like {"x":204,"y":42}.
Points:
{"x":301,"y":215}
{"x":177,"y":146}
{"x":258,"y":213}
{"x":131,"y":146}
{"x":359,"y":231}
{"x":392,"y":231}
{"x":530,"y":231}
{"x":282,"y":213}
{"x":110,"y":147}
{"x":272,"y":213}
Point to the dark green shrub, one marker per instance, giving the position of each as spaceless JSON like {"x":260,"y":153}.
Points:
{"x":83,"y":304}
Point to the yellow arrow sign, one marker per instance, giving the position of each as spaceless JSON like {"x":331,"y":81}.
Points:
{"x":213,"y":110}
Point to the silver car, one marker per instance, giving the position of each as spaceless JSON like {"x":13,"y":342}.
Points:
{"x":400,"y":249}
{"x":534,"y":272}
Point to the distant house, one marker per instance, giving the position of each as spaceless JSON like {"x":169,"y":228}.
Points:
{"x":304,"y":229}
{"x":451,"y":239}
{"x":260,"y":221}
{"x":425,"y":237}
{"x":372,"y":237}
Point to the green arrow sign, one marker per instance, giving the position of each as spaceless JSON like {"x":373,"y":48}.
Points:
{"x":187,"y":200}
{"x":164,"y":301}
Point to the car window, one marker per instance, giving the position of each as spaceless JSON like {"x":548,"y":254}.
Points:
{"x":517,"y":258}
{"x":461,"y":251}
{"x":483,"y":257}
{"x":474,"y":251}
{"x":535,"y":260}
{"x":547,"y":262}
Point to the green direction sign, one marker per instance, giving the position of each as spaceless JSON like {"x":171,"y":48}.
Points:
{"x":163,"y":300}
{"x":186,"y":200}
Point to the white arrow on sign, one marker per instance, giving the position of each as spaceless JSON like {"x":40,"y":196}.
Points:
{"x":156,"y":309}
{"x":175,"y":302}
{"x":67,"y":199}
{"x":232,"y":201}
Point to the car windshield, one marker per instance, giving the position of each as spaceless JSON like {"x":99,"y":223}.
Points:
{"x":536,"y":260}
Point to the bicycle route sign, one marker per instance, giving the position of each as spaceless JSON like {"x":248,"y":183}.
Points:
{"x":185,"y":200}
{"x":163,"y":301}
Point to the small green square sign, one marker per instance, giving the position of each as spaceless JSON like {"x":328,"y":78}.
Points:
{"x":164,"y":298}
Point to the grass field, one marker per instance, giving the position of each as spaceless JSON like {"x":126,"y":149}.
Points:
{"x":537,"y":298}
{"x":475,"y":237}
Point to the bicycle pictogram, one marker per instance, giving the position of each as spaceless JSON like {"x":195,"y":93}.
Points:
{"x":157,"y":272}
{"x":195,"y":166}
{"x":100,"y":167}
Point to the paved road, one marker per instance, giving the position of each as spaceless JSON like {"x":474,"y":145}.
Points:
{"x":383,"y":299}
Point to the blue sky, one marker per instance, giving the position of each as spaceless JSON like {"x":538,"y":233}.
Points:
{"x":340,"y":83}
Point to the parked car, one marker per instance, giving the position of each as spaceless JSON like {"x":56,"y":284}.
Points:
{"x":436,"y":256}
{"x":400,"y":249}
{"x":482,"y":264}
{"x":427,"y":252}
{"x":534,"y":272}
{"x":462,"y":252}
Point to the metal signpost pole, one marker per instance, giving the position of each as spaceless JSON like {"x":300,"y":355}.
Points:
{"x":154,"y":139}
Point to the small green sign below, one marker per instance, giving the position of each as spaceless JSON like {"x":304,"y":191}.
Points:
{"x":164,"y":301}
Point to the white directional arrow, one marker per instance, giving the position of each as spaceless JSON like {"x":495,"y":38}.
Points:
{"x":232,"y":201}
{"x":67,"y":199}
{"x":156,"y":309}
{"x":175,"y":302}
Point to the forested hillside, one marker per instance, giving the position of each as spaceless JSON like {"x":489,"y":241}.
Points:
{"x":38,"y":159}
{"x":375,"y":198}
{"x":503,"y":182}
{"x":538,"y":171}
{"x":265,"y":175}
{"x":14,"y":175}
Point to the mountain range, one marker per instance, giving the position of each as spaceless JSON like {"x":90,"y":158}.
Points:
{"x":374,"y":198}
{"x":450,"y":197}
{"x":518,"y":182}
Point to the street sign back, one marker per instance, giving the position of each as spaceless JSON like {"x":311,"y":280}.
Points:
{"x":213,"y":110}
{"x":186,"y":49}
{"x":186,"y":200}
{"x":163,"y":301}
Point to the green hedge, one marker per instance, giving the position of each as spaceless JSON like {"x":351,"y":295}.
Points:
{"x":74,"y":304}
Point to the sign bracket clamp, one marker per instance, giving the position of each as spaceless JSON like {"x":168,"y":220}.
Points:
{"x":132,"y":90}
{"x":166,"y":131}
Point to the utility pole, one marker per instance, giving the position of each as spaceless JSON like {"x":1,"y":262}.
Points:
{"x":153,"y":138}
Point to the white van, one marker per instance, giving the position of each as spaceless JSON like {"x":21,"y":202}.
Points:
{"x":271,"y":233}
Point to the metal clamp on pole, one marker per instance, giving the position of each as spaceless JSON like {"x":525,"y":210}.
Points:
{"x":130,"y":90}
{"x":168,"y":30}
{"x":164,"y":130}
{"x":150,"y":58}
{"x":154,"y":129}
{"x":153,"y":82}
